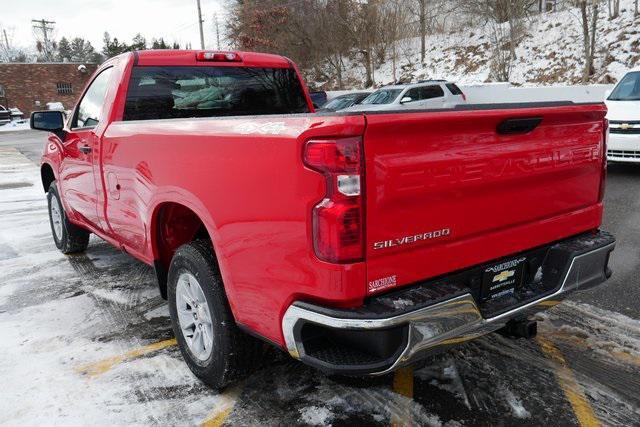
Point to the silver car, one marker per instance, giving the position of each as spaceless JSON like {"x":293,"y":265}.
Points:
{"x":417,"y":96}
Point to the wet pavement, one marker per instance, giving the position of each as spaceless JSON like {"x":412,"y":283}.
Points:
{"x":87,"y":339}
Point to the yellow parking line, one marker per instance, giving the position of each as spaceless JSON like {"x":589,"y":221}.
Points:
{"x":403,"y":382}
{"x":549,"y":303}
{"x":622,"y":356}
{"x":572,"y":390}
{"x":102,"y":366}
{"x":221,"y":412}
{"x":403,"y":385}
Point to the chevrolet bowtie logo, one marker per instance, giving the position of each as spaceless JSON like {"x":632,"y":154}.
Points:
{"x":625,"y":126}
{"x":503,"y":275}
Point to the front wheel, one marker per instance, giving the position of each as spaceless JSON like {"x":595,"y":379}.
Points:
{"x":211,"y":343}
{"x":69,"y":238}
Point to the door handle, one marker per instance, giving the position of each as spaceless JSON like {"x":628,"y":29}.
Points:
{"x":85,"y":149}
{"x":518,"y":126}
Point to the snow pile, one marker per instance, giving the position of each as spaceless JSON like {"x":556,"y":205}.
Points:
{"x":15,"y":126}
{"x":549,"y":53}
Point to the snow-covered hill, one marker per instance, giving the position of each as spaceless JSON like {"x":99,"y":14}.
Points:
{"x":549,"y":53}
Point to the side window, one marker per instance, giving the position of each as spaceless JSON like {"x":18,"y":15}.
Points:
{"x":429,"y":92}
{"x":414,"y":94}
{"x":90,"y":108}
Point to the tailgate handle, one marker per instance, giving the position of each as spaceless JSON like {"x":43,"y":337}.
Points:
{"x":516,"y":126}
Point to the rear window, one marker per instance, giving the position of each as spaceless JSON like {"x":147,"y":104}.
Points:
{"x":177,"y":92}
{"x":454,"y":89}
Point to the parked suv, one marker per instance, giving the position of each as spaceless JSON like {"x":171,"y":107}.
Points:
{"x":422,"y":95}
{"x":624,"y":119}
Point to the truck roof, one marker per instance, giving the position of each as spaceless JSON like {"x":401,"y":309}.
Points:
{"x":174,"y":57}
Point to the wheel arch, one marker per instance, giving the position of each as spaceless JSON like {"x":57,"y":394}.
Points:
{"x":174,"y":224}
{"x":47,"y":176}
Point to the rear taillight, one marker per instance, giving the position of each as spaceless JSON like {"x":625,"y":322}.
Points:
{"x":218,"y":56}
{"x":338,"y":220}
{"x":603,"y":175}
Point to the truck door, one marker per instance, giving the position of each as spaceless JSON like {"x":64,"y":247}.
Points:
{"x":81,"y":145}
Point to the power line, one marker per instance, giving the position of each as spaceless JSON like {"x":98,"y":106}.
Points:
{"x":45,"y":27}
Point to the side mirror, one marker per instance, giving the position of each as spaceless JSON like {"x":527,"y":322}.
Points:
{"x":406,"y":99}
{"x":49,"y":121}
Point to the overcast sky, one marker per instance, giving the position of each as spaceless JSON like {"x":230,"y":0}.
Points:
{"x":175,"y":20}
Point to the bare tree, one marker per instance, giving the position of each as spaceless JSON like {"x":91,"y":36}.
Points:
{"x":589,"y":13}
{"x":614,"y":8}
{"x":422,"y":19}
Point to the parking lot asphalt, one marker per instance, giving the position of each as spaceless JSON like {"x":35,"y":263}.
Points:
{"x":87,"y":339}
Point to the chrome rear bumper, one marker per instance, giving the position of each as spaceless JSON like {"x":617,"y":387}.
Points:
{"x":369,"y":341}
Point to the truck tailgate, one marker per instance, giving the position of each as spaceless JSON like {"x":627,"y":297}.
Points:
{"x":447,"y":190}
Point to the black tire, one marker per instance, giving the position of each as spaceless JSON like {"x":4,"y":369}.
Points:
{"x":72,"y":239}
{"x":234,"y":354}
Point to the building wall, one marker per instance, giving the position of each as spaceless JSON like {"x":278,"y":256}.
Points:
{"x":30,"y":86}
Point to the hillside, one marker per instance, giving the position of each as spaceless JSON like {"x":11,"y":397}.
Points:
{"x":549,"y":53}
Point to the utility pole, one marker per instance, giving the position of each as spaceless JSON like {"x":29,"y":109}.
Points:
{"x":45,"y":27}
{"x":215,"y":20}
{"x":200,"y":21}
{"x":6,"y":40}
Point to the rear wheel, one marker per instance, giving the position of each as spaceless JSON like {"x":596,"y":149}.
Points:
{"x":213,"y":347}
{"x":69,"y":238}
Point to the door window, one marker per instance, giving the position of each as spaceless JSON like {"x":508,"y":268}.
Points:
{"x":90,"y":108}
{"x":429,"y":92}
{"x":414,"y":94}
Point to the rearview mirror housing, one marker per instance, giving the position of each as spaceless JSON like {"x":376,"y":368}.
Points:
{"x":406,"y":99}
{"x":49,"y":121}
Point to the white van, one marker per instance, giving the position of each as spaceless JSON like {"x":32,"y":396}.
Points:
{"x":624,"y":119}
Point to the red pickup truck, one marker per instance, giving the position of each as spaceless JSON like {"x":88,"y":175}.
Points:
{"x":359,"y":243}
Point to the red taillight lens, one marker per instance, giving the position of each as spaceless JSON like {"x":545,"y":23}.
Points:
{"x":603,"y":176}
{"x":218,"y":56}
{"x":338,"y":230}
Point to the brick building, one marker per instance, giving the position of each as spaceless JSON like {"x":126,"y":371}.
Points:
{"x":30,"y":86}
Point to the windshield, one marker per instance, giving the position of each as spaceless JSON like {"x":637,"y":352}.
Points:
{"x":628,"y":89}
{"x":339,"y":103}
{"x":383,"y":96}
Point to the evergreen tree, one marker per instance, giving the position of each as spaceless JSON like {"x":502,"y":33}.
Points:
{"x":81,"y":50}
{"x":64,"y":50}
{"x":160,"y":44}
{"x":113,"y":47}
{"x":138,"y":43}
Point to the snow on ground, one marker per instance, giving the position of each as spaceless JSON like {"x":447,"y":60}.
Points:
{"x":15,"y":125}
{"x":550,"y":53}
{"x":54,"y":320}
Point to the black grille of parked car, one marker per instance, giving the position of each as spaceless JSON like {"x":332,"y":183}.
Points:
{"x":626,"y":154}
{"x":627,"y":131}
